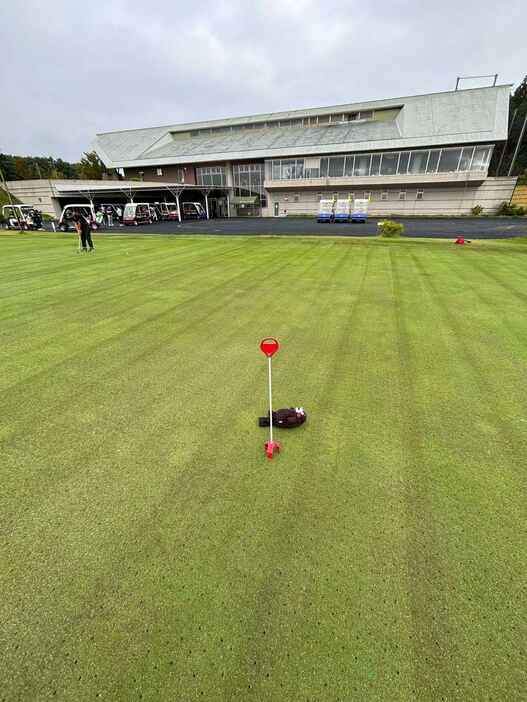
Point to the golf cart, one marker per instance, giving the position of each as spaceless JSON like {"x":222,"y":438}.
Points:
{"x":166,"y":211}
{"x":193,"y":210}
{"x":137,"y":213}
{"x":22,"y":217}
{"x":66,"y":222}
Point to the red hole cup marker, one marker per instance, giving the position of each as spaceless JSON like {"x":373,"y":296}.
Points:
{"x":269,"y":346}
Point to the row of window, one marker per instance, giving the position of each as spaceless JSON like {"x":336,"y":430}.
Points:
{"x":367,"y":195}
{"x":449,"y":160}
{"x":314,"y":121}
{"x":211,"y":175}
{"x":248,"y":179}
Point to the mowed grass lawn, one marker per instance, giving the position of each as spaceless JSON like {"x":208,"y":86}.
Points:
{"x":150,"y":551}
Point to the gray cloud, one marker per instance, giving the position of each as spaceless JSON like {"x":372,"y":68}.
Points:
{"x":72,"y":68}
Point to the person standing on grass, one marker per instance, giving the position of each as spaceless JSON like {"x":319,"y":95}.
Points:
{"x":83,"y":227}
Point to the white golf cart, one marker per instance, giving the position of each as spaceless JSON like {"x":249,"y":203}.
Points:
{"x":136,"y":213}
{"x":193,"y":210}
{"x":20,"y":217}
{"x":66,"y":221}
{"x":167,"y":211}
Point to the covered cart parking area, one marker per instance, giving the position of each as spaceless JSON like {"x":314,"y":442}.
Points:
{"x":216,"y":202}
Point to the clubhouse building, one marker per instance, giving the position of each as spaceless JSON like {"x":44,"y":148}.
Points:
{"x":423,"y":154}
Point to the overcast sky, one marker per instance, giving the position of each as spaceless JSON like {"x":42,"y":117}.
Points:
{"x":70,"y":69}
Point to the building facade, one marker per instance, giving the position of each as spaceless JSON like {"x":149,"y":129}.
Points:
{"x":424,"y":154}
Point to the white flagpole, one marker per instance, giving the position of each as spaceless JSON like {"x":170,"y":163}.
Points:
{"x":270,"y":404}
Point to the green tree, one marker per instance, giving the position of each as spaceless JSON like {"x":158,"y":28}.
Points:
{"x":91,"y":167}
{"x":7,"y":164}
{"x":518,"y":110}
{"x":23,"y":169}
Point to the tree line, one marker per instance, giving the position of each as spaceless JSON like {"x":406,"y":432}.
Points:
{"x":32,"y":167}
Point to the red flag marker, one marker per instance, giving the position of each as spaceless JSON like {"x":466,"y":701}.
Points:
{"x":269,"y":346}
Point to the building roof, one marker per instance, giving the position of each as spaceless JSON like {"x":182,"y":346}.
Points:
{"x":455,"y":117}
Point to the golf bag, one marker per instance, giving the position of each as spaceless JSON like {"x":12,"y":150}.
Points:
{"x":285,"y":418}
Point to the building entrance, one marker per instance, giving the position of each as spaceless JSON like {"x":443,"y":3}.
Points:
{"x":218,"y":207}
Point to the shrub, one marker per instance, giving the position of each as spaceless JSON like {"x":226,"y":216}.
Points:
{"x":390,"y":229}
{"x":477,"y":210}
{"x":511,"y":210}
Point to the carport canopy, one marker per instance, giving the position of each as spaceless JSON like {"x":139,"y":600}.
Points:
{"x":133,"y":190}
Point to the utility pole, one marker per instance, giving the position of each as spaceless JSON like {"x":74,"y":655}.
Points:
{"x":506,"y":142}
{"x":13,"y":210}
{"x":520,"y":138}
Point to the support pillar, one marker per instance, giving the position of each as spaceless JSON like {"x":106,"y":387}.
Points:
{"x":178,"y":207}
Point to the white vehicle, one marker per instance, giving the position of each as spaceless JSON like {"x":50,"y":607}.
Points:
{"x":193,"y":210}
{"x":20,"y":217}
{"x":343,"y":210}
{"x":168,"y":211}
{"x":359,"y":211}
{"x":137,"y":213}
{"x":66,"y":221}
{"x":326,"y":211}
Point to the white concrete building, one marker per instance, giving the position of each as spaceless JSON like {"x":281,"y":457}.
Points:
{"x":424,"y":154}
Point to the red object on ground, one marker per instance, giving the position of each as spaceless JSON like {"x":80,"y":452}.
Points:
{"x":270,"y":447}
{"x":460,"y":240}
{"x":269,"y":346}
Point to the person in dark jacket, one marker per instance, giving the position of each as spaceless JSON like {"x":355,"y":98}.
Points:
{"x":83,"y":227}
{"x":285,"y":418}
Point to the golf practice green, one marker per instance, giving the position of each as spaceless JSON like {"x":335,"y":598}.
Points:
{"x":151,"y":551}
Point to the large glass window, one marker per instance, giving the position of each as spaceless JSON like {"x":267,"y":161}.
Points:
{"x":466,"y":158}
{"x":248,"y":179}
{"x":288,"y":169}
{"x":211,"y":175}
{"x":336,"y":166}
{"x":299,"y":168}
{"x":350,"y":160}
{"x":375,"y":164}
{"x":362,"y":165}
{"x":449,"y":160}
{"x":403,"y":162}
{"x":433,"y":160}
{"x":389,"y":164}
{"x":418,"y":161}
{"x":481,"y":158}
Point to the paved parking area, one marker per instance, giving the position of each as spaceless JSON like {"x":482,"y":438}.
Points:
{"x":470,"y":227}
{"x":435,"y":227}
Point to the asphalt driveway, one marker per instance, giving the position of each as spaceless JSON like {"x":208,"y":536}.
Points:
{"x":442,"y":228}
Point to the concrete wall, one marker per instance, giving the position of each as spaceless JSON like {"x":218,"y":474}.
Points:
{"x":38,"y":193}
{"x":452,"y":199}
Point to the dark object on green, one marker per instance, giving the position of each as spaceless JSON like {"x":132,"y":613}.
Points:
{"x":285,"y":418}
